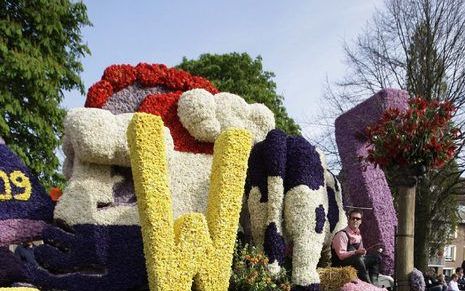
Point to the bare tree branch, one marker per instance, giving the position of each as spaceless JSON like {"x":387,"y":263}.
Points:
{"x":419,"y":46}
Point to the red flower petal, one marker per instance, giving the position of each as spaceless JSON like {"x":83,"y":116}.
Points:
{"x":150,"y":75}
{"x":166,"y":106}
{"x":98,"y":94}
{"x":119,"y":76}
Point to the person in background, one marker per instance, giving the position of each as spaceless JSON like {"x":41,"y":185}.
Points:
{"x":25,"y":252}
{"x":453,"y":286}
{"x":432,"y":283}
{"x":442,"y":280}
{"x":347,"y":250}
{"x":461,"y":279}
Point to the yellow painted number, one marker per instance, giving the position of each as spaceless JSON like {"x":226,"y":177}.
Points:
{"x":19,"y":180}
{"x":6,"y":195}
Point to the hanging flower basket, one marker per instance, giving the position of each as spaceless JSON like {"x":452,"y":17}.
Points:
{"x":408,"y":144}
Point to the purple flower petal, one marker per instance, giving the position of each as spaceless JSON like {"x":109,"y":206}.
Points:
{"x":303,"y":165}
{"x":274,"y":245}
{"x":319,"y":219}
{"x":90,"y":257}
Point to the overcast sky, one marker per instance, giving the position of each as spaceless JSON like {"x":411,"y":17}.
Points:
{"x":300,"y":41}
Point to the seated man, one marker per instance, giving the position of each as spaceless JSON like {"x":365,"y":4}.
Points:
{"x":432,"y":283}
{"x":347,"y":250}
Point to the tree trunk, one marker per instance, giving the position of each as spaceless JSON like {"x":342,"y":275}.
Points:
{"x":422,"y":226}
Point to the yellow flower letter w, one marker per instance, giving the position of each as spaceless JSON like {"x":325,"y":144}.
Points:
{"x":194,"y":248}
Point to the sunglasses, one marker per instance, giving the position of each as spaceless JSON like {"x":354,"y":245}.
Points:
{"x":356,"y":218}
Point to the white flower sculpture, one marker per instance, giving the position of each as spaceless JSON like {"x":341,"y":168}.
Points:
{"x":206,"y":115}
{"x":293,"y":200}
{"x":95,"y":141}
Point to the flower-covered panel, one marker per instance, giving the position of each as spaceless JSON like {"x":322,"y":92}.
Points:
{"x":366,"y":185}
{"x":99,"y":203}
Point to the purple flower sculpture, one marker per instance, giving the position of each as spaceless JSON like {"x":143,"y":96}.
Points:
{"x":11,"y":269}
{"x":25,"y":206}
{"x":364,"y":185}
{"x":90,"y":257}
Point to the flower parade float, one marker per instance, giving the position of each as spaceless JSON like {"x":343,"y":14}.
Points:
{"x":157,"y":165}
{"x":97,"y":243}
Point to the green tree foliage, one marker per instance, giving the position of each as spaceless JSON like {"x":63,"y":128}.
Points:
{"x":240,"y":74}
{"x":40,"y":48}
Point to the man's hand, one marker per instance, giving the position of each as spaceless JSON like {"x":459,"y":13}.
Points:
{"x":361,"y":252}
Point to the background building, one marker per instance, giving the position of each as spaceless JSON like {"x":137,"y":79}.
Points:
{"x":454,"y":253}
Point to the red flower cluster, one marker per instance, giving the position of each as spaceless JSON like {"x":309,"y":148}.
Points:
{"x":55,"y":194}
{"x":422,"y":135}
{"x":98,"y":94}
{"x":117,"y":77}
{"x":150,"y":75}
